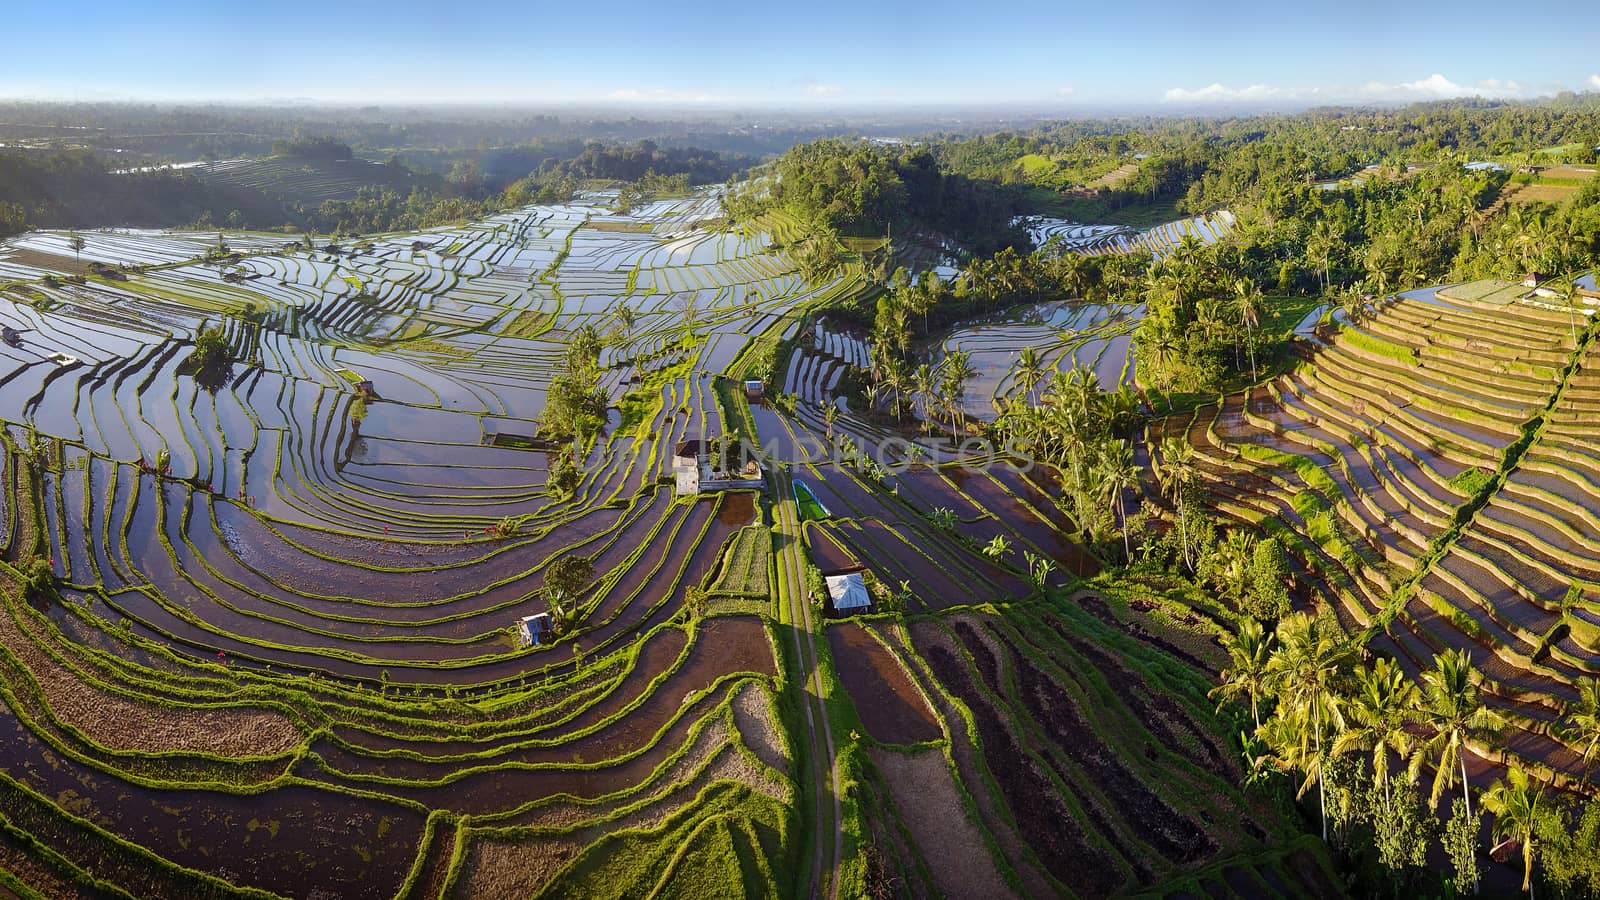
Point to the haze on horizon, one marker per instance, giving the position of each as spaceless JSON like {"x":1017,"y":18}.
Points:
{"x":1165,"y":55}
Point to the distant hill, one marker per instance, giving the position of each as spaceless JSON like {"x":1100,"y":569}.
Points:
{"x":302,"y":179}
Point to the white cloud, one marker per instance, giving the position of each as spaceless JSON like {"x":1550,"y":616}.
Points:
{"x":1221,"y":93}
{"x":1438,"y":87}
{"x":1594,"y":82}
{"x":1434,"y":87}
{"x":823,"y":90}
{"x":1066,"y":90}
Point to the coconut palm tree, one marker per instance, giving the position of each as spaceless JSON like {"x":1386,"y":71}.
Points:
{"x":1176,"y":473}
{"x":1117,"y":474}
{"x":894,"y":377}
{"x":1247,"y":306}
{"x":872,"y":393}
{"x":627,"y":317}
{"x":1163,"y":345}
{"x":957,"y":371}
{"x":1304,"y":675}
{"x":1452,"y":708}
{"x":830,"y":416}
{"x":922,"y":388}
{"x":1324,"y":240}
{"x":1385,"y":700}
{"x":1248,"y":654}
{"x":1514,"y":802}
{"x":1028,"y":370}
{"x":1208,"y":317}
{"x":1583,"y":724}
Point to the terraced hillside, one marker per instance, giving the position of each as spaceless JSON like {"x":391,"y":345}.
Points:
{"x":1435,"y":466}
{"x":1100,"y":239}
{"x":1059,"y":750}
{"x":283,"y":660}
{"x":262,"y":625}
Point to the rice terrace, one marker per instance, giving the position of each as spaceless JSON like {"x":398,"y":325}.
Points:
{"x":692,"y":481}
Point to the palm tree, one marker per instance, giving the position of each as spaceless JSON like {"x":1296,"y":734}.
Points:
{"x":923,"y":383}
{"x":76,"y":242}
{"x":1118,"y":473}
{"x":1163,"y":343}
{"x":1583,"y":725}
{"x":1247,"y":305}
{"x":957,"y":370}
{"x":1028,"y":370}
{"x":1452,"y":707}
{"x":1385,"y":700}
{"x":893,"y":374}
{"x":830,"y":415}
{"x":1354,"y":305}
{"x":1208,"y":317}
{"x":1304,"y":674}
{"x":1324,"y":240}
{"x":1515,"y":804}
{"x":1175,"y":474}
{"x":627,"y":317}
{"x":1248,"y":654}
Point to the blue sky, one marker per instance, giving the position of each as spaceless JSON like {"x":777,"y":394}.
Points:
{"x":1173,"y":53}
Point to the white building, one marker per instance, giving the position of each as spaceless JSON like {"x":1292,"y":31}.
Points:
{"x":848,"y":593}
{"x":533,"y":629}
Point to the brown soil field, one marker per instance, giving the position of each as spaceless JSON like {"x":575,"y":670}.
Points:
{"x":38,"y":259}
{"x":1059,"y":716}
{"x":121,"y":723}
{"x":1540,"y":193}
{"x":1578,"y":172}
{"x":924,"y":791}
{"x":890,"y":707}
{"x":1050,"y":826}
{"x":1166,"y":719}
{"x":969,"y":765}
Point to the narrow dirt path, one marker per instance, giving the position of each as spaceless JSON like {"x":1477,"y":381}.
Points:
{"x":824,"y":761}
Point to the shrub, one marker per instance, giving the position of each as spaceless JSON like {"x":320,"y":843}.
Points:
{"x":40,"y":584}
{"x":1268,"y":596}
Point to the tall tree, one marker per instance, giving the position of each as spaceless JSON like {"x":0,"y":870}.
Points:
{"x":1118,"y":474}
{"x":956,"y":371}
{"x":1514,"y":802}
{"x":1028,"y":370}
{"x":563,"y":579}
{"x":1176,"y":473}
{"x":1304,"y":674}
{"x":1249,"y":651}
{"x":1453,"y":710}
{"x":1247,"y":306}
{"x":1583,"y":724}
{"x":1384,"y":703}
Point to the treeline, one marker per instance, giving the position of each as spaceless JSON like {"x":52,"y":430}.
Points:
{"x":632,"y":162}
{"x":866,"y":189}
{"x":75,"y":189}
{"x":438,"y":136}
